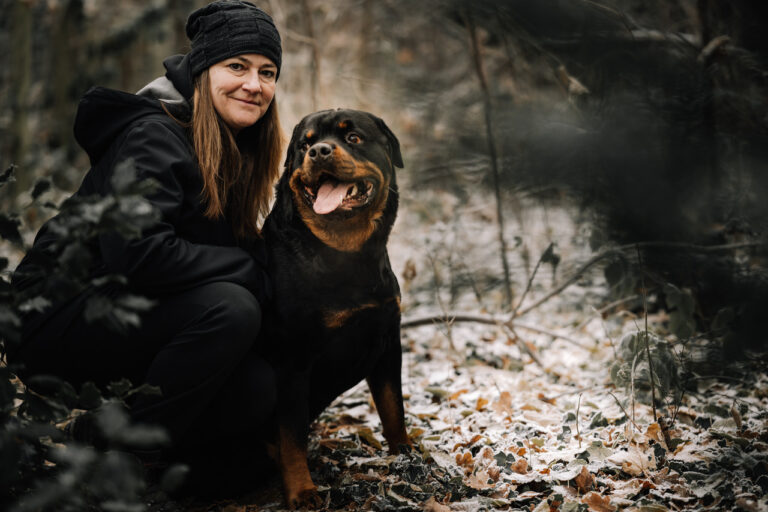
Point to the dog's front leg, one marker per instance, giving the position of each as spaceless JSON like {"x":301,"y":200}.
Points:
{"x":293,"y":429}
{"x":386,"y":388}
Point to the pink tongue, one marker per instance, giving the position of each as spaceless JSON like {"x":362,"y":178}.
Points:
{"x":330,"y":196}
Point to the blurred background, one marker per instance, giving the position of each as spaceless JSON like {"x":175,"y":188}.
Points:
{"x":636,"y":125}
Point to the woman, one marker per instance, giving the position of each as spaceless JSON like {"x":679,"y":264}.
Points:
{"x":208,"y":133}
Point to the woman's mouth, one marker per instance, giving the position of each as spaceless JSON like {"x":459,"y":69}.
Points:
{"x":252,"y":103}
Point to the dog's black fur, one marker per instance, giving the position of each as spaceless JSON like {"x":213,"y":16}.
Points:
{"x":335,"y":317}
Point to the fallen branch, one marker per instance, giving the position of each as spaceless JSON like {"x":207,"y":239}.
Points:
{"x":569,"y":282}
{"x":504,"y":321}
{"x":643,"y":245}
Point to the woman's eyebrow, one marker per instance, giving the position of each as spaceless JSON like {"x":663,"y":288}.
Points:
{"x":248,"y":61}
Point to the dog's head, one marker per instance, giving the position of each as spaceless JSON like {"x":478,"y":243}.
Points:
{"x":340,"y":170}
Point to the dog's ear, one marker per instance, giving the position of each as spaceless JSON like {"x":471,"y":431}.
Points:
{"x":292,"y":144}
{"x":392,"y":142}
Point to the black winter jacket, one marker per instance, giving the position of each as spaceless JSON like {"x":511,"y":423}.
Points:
{"x":184,"y":249}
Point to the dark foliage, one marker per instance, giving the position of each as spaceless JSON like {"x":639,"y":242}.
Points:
{"x":61,"y":448}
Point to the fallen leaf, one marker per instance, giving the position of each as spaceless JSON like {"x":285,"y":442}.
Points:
{"x":416,"y":432}
{"x":465,"y":460}
{"x":431,"y":505}
{"x":457,"y":394}
{"x":366,"y":434}
{"x":598,"y":503}
{"x":584,"y":481}
{"x":481,"y":403}
{"x":543,"y":398}
{"x":504,"y":404}
{"x":736,"y":415}
{"x":480,"y":480}
{"x":520,"y":466}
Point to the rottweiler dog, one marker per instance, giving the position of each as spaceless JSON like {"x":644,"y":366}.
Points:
{"x":335,"y":317}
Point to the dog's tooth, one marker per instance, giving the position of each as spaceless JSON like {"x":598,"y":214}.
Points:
{"x":352,"y":191}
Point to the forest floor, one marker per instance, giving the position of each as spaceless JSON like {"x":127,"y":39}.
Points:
{"x":528,"y":416}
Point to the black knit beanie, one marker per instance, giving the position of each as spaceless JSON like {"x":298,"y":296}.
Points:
{"x":226,"y":28}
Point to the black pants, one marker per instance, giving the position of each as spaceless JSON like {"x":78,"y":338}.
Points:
{"x":197,"y":346}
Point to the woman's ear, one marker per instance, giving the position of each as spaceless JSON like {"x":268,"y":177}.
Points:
{"x":392,"y":142}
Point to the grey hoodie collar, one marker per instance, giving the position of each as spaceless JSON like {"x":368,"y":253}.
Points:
{"x":163,"y":90}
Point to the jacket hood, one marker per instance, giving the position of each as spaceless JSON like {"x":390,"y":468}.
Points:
{"x":103,"y":114}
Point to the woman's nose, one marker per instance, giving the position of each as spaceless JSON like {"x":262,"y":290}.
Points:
{"x":252,"y":83}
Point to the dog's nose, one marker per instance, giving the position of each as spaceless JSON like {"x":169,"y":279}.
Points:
{"x":321,"y":151}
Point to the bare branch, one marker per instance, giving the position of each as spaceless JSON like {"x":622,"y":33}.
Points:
{"x":485,"y":319}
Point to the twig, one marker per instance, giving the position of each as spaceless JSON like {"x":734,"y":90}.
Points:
{"x":484,"y":319}
{"x":635,"y":246}
{"x":578,"y":433}
{"x":523,"y":346}
{"x":624,"y":411}
{"x":446,"y":318}
{"x":566,"y":393}
{"x":568,"y":282}
{"x":530,"y":280}
{"x":477,"y":59}
{"x":315,"y":61}
{"x":604,"y":309}
{"x":647,"y":343}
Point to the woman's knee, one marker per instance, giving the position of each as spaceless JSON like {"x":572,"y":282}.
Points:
{"x":234,"y":310}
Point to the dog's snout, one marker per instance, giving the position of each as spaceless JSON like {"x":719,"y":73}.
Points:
{"x":320,"y":151}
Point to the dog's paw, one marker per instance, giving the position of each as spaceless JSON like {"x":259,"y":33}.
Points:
{"x":304,"y":498}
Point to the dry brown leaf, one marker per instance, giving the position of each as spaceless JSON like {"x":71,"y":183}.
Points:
{"x":366,"y":434}
{"x":530,"y":407}
{"x":543,"y":398}
{"x":597,"y":503}
{"x":504,"y":404}
{"x":481,"y":403}
{"x":736,"y":415}
{"x":479,"y":481}
{"x":457,"y":394}
{"x":584,"y":480}
{"x":431,"y":505}
{"x":654,"y":432}
{"x":520,"y":466}
{"x":416,"y":432}
{"x":331,"y":444}
{"x":467,"y":444}
{"x":465,"y":460}
{"x":371,"y":476}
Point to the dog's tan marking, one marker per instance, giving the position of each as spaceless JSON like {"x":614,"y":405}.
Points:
{"x":335,"y":319}
{"x":298,"y":486}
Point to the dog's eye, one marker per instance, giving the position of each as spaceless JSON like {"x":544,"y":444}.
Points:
{"x":354,"y":138}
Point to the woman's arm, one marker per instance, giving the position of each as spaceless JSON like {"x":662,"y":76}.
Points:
{"x":160,"y":261}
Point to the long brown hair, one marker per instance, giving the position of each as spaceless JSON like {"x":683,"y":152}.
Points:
{"x":237,"y":179}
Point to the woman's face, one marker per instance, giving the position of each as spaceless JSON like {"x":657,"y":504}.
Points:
{"x":242,"y":87}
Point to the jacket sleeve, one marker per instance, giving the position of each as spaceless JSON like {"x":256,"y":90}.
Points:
{"x":160,"y":261}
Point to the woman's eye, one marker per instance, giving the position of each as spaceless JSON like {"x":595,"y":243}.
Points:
{"x":236,"y":66}
{"x":354,"y":138}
